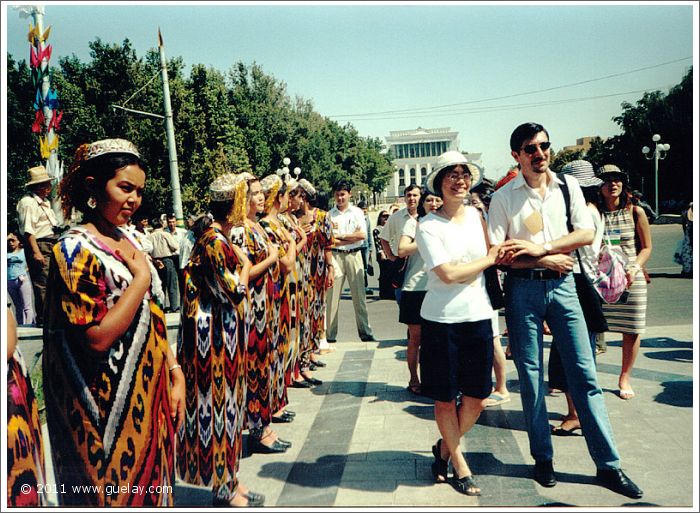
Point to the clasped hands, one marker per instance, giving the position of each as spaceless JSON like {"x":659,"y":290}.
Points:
{"x":510,"y":250}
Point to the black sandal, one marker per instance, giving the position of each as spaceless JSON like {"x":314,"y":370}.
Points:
{"x":466,"y":485}
{"x":439,"y":466}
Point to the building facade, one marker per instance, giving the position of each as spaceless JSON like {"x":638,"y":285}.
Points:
{"x":415,"y":153}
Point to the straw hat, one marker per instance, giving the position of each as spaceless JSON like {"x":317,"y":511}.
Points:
{"x":38,"y":175}
{"x":611,"y":171}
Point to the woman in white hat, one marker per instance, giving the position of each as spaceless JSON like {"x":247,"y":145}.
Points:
{"x":456,"y":353}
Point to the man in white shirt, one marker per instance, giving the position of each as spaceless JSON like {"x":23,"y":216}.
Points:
{"x":39,"y":226}
{"x":349,"y":230}
{"x":166,"y":246}
{"x":529,"y":216}
{"x":391,"y":233}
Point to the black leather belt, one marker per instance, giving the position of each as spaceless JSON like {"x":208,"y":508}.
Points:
{"x":345,"y":250}
{"x":48,"y":239}
{"x":536,"y":274}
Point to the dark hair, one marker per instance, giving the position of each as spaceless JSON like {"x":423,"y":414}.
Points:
{"x":309,"y":197}
{"x":383,"y":214}
{"x":410,"y":187}
{"x":342,"y":185}
{"x":201,"y":225}
{"x":437,"y":181}
{"x":625,"y":198}
{"x":171,"y":216}
{"x":590,"y":193}
{"x":421,"y":208}
{"x":361,"y":204}
{"x":523,"y":133}
{"x":74,"y":191}
{"x":220,"y":209}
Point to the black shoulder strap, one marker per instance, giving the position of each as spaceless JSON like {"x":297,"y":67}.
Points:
{"x":567,"y":200}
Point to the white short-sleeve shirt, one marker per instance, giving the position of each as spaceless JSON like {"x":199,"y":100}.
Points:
{"x":442,"y":241}
{"x":516,"y":202}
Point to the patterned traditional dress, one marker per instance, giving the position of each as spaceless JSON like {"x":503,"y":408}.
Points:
{"x":108,"y":413}
{"x":256,"y":245}
{"x":320,"y":239}
{"x":25,"y":449}
{"x":629,"y":317}
{"x":212,"y":350}
{"x":295,"y":303}
{"x":281,"y":323}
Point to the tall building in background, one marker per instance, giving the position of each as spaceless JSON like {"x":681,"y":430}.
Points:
{"x":415,"y":153}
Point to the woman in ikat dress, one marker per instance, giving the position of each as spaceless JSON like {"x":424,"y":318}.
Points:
{"x":113,"y":389}
{"x":212,"y":346}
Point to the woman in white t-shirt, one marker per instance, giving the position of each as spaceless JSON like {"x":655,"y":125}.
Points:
{"x":414,"y":287}
{"x":456,"y":353}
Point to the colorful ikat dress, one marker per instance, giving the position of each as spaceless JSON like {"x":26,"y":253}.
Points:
{"x":108,"y":413}
{"x":25,"y":449}
{"x":211,"y":348}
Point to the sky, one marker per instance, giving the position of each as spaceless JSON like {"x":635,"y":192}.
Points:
{"x":478,"y":68}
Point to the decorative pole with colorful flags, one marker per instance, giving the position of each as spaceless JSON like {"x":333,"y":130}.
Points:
{"x":47,"y":117}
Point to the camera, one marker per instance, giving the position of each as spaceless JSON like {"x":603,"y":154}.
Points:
{"x":624,"y":297}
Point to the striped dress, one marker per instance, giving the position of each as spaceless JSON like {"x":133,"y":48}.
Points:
{"x":629,"y":317}
{"x":108,"y":413}
{"x":211,"y":347}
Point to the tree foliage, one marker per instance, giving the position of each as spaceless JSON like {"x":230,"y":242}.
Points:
{"x":241,"y":120}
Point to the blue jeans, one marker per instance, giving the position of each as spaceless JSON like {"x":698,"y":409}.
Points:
{"x":528,"y":304}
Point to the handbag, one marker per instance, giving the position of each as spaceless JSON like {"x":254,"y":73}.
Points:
{"x":370,"y":269}
{"x":493,"y":287}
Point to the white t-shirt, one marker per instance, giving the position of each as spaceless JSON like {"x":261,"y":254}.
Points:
{"x":441,"y":241}
{"x":415,"y":279}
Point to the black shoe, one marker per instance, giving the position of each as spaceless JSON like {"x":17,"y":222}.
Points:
{"x":313,"y":381}
{"x":318,"y":363}
{"x":285,"y":443}
{"x":255,"y":445}
{"x":616,"y":480}
{"x":300,"y":384}
{"x":284,"y":418}
{"x":544,"y":473}
{"x":255,"y":500}
{"x":330,"y":341}
{"x":312,"y":366}
{"x":368,"y":338}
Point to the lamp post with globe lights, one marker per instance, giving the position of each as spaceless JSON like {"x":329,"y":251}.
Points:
{"x":659,"y":153}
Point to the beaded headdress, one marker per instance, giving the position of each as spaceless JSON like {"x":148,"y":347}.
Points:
{"x":270,"y":185}
{"x":306,"y":185}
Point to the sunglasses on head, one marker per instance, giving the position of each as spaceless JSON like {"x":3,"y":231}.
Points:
{"x":532,"y":148}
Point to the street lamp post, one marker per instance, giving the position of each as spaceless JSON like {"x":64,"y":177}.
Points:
{"x":660,"y":151}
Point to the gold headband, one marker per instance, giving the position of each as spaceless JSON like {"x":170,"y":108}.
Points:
{"x":270,"y":185}
{"x":239,"y":210}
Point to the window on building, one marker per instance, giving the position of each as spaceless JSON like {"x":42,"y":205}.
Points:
{"x":413,"y":151}
{"x":413,"y":175}
{"x":402,"y":180}
{"x":433,"y":151}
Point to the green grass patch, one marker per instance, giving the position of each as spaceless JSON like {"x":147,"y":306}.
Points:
{"x":36,"y":378}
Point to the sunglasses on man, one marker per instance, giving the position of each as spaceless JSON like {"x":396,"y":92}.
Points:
{"x":532,"y":148}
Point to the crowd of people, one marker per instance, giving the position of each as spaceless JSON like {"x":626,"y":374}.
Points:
{"x":257,"y":281}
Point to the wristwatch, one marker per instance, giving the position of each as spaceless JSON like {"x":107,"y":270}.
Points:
{"x":547,"y":247}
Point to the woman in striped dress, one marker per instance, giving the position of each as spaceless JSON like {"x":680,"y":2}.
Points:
{"x":212,"y":344}
{"x":276,"y":199}
{"x":623,"y":221}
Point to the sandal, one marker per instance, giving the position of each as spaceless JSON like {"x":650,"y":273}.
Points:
{"x":466,"y":485}
{"x":439,"y":466}
{"x":560,"y":430}
{"x":414,"y":389}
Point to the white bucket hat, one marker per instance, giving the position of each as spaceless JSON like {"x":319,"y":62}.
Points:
{"x":449,"y":159}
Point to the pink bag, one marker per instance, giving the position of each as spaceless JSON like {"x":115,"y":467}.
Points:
{"x":611,"y":278}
